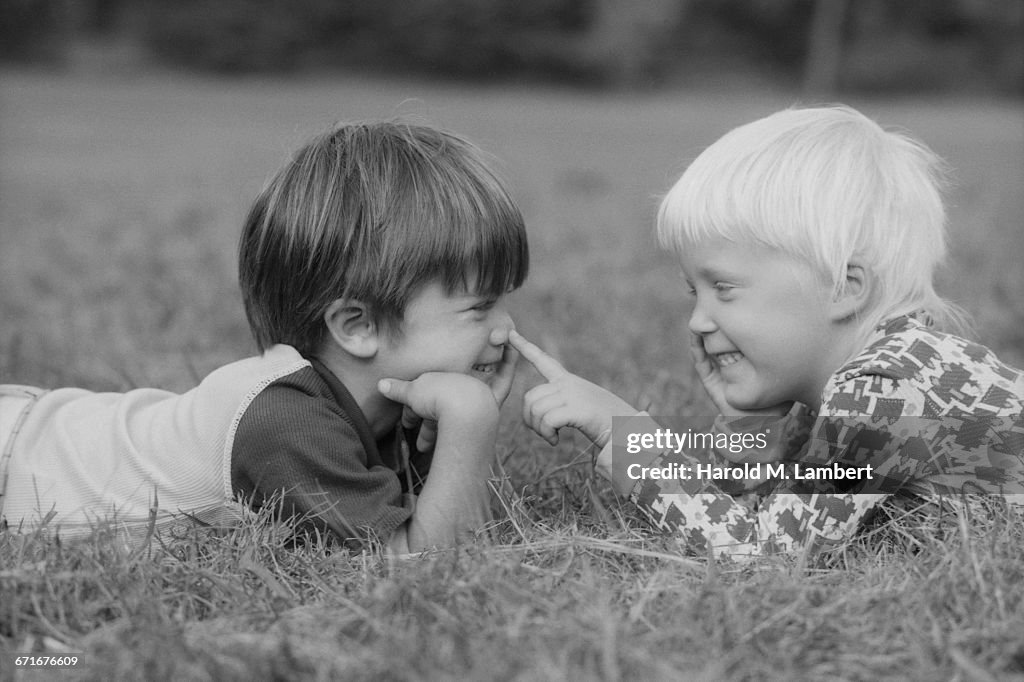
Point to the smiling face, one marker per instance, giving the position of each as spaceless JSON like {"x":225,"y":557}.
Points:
{"x":462,"y":332}
{"x":765,"y":319}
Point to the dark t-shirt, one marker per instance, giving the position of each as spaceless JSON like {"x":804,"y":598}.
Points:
{"x":305,"y":446}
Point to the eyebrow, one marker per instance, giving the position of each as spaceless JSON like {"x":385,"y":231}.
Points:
{"x":715,"y":273}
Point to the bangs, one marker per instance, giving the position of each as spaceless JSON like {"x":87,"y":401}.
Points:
{"x":829,"y":186}
{"x":449,"y":219}
{"x":711,"y":204}
{"x":485,"y":252}
{"x":741,"y":201}
{"x":797,"y":182}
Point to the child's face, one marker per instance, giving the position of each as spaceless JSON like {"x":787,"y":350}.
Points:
{"x":763,"y":318}
{"x":460,"y":332}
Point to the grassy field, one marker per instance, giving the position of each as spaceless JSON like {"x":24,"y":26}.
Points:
{"x":120,"y":203}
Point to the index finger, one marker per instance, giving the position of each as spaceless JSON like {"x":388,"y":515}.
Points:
{"x":549,"y":368}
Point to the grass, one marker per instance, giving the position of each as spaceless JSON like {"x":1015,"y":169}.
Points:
{"x":120,"y":202}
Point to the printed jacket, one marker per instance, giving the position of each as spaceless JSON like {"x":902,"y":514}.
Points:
{"x":965,"y":413}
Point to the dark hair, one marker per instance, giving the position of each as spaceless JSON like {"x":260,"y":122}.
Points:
{"x":372,"y":212}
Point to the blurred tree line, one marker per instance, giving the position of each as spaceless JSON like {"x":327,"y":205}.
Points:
{"x":825,"y":45}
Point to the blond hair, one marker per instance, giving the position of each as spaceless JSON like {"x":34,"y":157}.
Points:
{"x":826,"y":185}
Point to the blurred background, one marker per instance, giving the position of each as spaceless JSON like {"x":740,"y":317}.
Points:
{"x":822,"y":46}
{"x":135,"y":133}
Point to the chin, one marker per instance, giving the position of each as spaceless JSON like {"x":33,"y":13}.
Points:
{"x":745,"y":403}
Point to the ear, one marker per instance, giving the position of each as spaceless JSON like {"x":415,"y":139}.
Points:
{"x":352,"y":327}
{"x":853,"y":298}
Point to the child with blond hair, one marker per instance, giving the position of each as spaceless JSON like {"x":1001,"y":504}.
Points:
{"x":373,"y":269}
{"x":808,"y":240}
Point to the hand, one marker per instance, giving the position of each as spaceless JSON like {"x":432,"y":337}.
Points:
{"x":462,"y":414}
{"x":566,"y":399}
{"x":426,"y":437}
{"x":436,"y":397}
{"x":711,"y":377}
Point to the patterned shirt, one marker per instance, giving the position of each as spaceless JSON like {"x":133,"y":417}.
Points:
{"x":934,"y":414}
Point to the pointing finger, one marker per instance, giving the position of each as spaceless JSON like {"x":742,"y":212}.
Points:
{"x":549,"y":368}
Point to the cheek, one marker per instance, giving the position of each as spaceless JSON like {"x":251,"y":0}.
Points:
{"x":462,"y":340}
{"x":742,"y":322}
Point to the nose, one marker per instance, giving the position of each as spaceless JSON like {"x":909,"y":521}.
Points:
{"x":502,"y":324}
{"x":701,"y":321}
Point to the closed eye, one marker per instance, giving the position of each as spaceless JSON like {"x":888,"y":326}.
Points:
{"x":723,"y":290}
{"x":485,"y":305}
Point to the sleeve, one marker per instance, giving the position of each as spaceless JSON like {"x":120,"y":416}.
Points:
{"x":788,"y":513}
{"x":301,"y":454}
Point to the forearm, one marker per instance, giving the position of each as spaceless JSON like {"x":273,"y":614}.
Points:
{"x":455,"y":499}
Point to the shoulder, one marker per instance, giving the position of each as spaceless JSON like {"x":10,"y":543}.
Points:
{"x":902,"y":349}
{"x":231,"y":388}
{"x":910,"y":369}
{"x":884,"y":378}
{"x":297,"y":408}
{"x":303,"y":424}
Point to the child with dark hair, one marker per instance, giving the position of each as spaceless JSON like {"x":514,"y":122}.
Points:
{"x":373,"y":269}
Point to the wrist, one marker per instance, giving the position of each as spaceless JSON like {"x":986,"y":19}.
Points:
{"x":470,"y":401}
{"x":478,"y":416}
{"x":600,"y":428}
{"x":600,"y":432}
{"x":615,"y":457}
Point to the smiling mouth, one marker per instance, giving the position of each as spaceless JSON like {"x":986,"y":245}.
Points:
{"x":726,"y":359}
{"x":485,"y":369}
